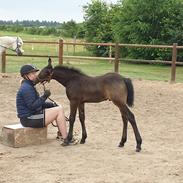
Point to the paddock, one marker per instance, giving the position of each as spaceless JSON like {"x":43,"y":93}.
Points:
{"x":158,"y":110}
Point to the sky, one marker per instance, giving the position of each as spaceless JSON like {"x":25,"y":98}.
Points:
{"x":50,"y":10}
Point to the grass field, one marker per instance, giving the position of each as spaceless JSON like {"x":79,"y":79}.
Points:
{"x":139,"y":71}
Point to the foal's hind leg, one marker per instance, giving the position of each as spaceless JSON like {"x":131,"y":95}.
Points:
{"x":82,"y":120}
{"x":125,"y":122}
{"x":124,"y":134}
{"x":132,"y":120}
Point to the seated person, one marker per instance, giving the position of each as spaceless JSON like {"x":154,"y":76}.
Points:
{"x":33,"y":110}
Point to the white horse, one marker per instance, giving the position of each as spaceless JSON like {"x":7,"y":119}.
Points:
{"x":11,"y":43}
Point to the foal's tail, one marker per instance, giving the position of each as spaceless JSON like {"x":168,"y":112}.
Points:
{"x":130,"y":92}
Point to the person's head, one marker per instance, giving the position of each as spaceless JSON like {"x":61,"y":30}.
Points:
{"x":29,"y":72}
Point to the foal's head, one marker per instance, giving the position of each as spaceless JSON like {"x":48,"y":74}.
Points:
{"x":62,"y":74}
{"x":46,"y":73}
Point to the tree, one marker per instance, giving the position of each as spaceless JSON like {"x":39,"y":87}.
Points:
{"x":69,"y":28}
{"x":98,"y":25}
{"x":81,"y":30}
{"x":149,"y":22}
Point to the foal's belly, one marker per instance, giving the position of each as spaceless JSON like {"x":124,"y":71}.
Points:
{"x":94,"y":98}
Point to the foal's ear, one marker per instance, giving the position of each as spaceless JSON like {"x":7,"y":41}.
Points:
{"x":49,"y":62}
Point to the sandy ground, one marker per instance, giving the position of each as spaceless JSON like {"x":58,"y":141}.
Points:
{"x":158,"y":110}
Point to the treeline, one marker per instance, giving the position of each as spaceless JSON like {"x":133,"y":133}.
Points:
{"x":66,"y":29}
{"x":30,"y":23}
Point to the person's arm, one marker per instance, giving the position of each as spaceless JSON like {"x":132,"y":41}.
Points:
{"x":31,"y":101}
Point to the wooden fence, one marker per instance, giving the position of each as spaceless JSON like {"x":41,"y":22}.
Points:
{"x":116,"y":59}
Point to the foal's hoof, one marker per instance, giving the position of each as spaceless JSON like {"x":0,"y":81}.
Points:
{"x":82,"y":141}
{"x":121,"y":145}
{"x":69,"y":139}
{"x":138,"y":149}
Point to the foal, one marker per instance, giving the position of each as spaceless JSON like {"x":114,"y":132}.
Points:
{"x":81,"y":89}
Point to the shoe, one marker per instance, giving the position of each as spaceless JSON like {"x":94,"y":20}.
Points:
{"x":72,"y":142}
{"x":65,"y":142}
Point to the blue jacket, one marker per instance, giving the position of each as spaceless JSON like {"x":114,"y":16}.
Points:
{"x":28,"y":101}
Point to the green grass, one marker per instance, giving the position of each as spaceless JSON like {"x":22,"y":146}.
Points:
{"x":136,"y":71}
{"x":139,"y":71}
{"x":27,"y":37}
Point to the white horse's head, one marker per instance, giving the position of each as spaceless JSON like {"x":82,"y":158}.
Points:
{"x":17,"y":46}
{"x":12,"y":43}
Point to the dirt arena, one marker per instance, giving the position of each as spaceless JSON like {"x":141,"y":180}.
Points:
{"x":158,"y":109}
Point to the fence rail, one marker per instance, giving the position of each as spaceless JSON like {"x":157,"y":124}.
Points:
{"x":116,"y":58}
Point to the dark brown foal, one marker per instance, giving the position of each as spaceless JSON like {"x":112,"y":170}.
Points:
{"x":81,"y":89}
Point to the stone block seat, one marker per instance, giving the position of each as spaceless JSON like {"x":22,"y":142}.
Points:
{"x":18,"y":136}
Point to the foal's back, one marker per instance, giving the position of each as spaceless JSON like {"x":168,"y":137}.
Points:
{"x":114,"y":87}
{"x":109,"y":86}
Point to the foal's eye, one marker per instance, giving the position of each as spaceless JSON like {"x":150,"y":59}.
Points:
{"x":48,"y":72}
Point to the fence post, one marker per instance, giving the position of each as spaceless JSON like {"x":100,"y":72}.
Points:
{"x":60,"y":52}
{"x":74,"y":46}
{"x":3,"y":66}
{"x":174,"y":59}
{"x":110,"y":53}
{"x":116,"y":62}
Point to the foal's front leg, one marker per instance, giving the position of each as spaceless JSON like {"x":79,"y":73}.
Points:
{"x":73,"y":110}
{"x":82,"y":120}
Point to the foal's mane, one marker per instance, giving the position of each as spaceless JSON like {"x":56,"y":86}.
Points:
{"x":69,"y":70}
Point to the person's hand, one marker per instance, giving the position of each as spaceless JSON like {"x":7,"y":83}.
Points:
{"x":46,"y":94}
